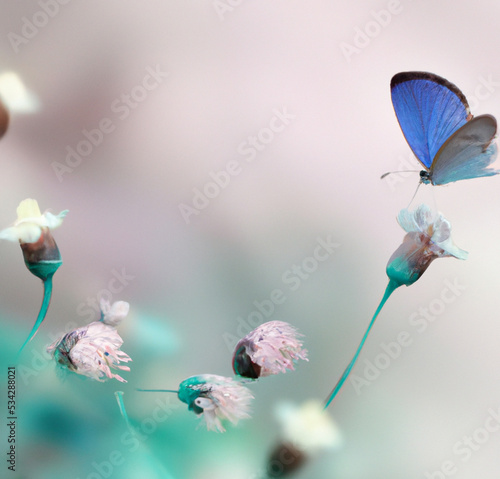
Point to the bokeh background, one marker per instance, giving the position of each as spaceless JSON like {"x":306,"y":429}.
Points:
{"x":231,"y":65}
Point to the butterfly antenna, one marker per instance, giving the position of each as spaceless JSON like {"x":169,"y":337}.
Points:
{"x":400,"y":171}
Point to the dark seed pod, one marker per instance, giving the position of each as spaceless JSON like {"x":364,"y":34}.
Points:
{"x":285,"y":459}
{"x":42,"y":257}
{"x":4,"y":119}
{"x":243,"y":365}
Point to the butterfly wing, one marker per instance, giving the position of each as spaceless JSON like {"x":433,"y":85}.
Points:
{"x":429,"y":110}
{"x":467,"y":153}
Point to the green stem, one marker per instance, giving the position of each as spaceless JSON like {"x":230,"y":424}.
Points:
{"x":389,"y":290}
{"x":47,"y":294}
{"x":123,"y":411}
{"x":152,"y":460}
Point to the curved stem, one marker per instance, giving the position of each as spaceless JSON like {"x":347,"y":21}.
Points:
{"x":389,"y":290}
{"x":123,"y":411}
{"x":152,"y":459}
{"x":47,"y":294}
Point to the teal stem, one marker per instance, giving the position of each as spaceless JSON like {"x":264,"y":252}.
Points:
{"x":152,"y":460}
{"x":157,"y":391}
{"x":47,"y":294}
{"x":123,"y":411}
{"x":391,"y":287}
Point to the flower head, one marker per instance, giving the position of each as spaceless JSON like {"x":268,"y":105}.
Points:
{"x":14,"y":94}
{"x":217,"y":398}
{"x":308,"y":426}
{"x":269,"y":349}
{"x":306,"y":430}
{"x":94,"y":349}
{"x":33,"y":231}
{"x":428,"y":237}
{"x":30,"y":222}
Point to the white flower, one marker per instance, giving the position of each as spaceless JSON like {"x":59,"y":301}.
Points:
{"x":30,"y":222}
{"x":269,"y":349}
{"x":217,"y":398}
{"x":308,"y":427}
{"x":94,"y":349}
{"x":428,"y":236}
{"x":435,"y":227}
{"x":15,"y":96}
{"x":113,"y":314}
{"x":306,"y":430}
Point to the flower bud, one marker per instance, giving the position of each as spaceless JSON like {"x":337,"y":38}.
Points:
{"x":42,"y":257}
{"x":269,"y":349}
{"x":216,"y":398}
{"x":428,"y":237}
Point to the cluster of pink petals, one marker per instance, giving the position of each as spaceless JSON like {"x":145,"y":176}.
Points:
{"x":222,"y":399}
{"x":94,"y":350}
{"x":272,"y":347}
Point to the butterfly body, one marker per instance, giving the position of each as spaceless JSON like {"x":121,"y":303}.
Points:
{"x":436,"y":121}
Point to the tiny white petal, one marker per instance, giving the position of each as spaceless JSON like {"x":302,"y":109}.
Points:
{"x":424,"y":217}
{"x":54,"y":221}
{"x":442,"y":238}
{"x":417,"y":220}
{"x":205,"y":403}
{"x":441,"y":230}
{"x":406,"y":219}
{"x":452,"y":249}
{"x":28,"y":208}
{"x":105,"y":306}
{"x":114,"y":315}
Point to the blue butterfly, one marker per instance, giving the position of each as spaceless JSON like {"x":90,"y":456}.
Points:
{"x":434,"y":116}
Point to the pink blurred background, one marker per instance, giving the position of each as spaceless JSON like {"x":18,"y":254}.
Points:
{"x":229,"y":71}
